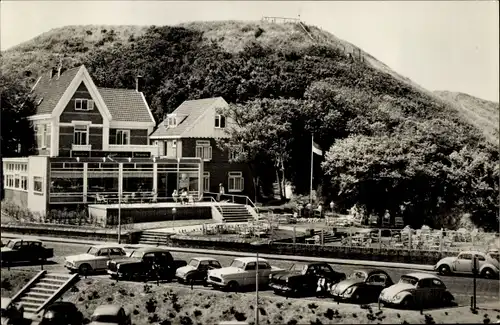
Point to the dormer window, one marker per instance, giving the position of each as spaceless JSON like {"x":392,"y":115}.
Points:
{"x":171,"y":120}
{"x":220,"y":121}
{"x":84,"y":104}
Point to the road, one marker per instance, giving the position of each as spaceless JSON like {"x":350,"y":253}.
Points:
{"x":460,"y":287}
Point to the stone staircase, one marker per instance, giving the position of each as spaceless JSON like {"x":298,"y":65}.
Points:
{"x":42,"y":290}
{"x":235,"y":213}
{"x":154,"y":238}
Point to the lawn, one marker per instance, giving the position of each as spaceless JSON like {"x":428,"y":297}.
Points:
{"x":164,"y":304}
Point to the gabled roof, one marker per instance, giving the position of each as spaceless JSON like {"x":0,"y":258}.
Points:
{"x":187,"y":115}
{"x":50,"y":90}
{"x":126,"y":105}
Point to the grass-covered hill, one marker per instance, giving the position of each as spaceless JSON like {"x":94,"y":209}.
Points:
{"x":387,"y":136}
{"x":482,"y":113}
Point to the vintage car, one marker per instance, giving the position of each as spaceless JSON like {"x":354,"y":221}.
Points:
{"x":25,"y":250}
{"x":303,"y":280}
{"x":12,"y":313}
{"x":110,"y":315}
{"x":487,"y":265}
{"x":241,"y":273}
{"x":417,"y":290}
{"x":62,"y":312}
{"x":96,"y":259}
{"x":145,"y":263}
{"x":196,"y":270}
{"x":361,"y":286}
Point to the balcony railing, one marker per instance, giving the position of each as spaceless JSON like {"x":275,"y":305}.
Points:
{"x":154,"y":150}
{"x":81,"y":147}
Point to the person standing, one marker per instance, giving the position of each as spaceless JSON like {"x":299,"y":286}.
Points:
{"x":221,"y":192}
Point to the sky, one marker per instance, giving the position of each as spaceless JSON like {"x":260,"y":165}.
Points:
{"x":448,"y":45}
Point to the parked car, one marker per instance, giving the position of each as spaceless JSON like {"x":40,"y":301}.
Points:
{"x":141,"y":263}
{"x":62,"y":313}
{"x":95,"y":259}
{"x":487,"y":265}
{"x":303,"y":280}
{"x":361,"y":286}
{"x":12,"y":313}
{"x":25,"y":250}
{"x":196,"y":270}
{"x":241,"y":273}
{"x":110,"y":315}
{"x":416,"y":290}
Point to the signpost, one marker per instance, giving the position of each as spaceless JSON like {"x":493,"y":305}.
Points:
{"x":475,"y":269}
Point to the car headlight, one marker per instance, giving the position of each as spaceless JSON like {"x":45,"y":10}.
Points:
{"x":349,"y":291}
{"x":270,"y":276}
{"x":398,"y":297}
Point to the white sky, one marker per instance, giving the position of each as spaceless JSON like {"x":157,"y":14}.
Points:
{"x":449,"y":45}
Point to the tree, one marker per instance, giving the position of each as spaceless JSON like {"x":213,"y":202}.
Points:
{"x":17,"y":132}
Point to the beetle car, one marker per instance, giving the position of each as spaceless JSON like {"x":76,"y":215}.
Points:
{"x":145,"y":263}
{"x":110,"y":315}
{"x":24,"y":250}
{"x":95,"y":259}
{"x":12,"y":313}
{"x":196,"y":270}
{"x":361,"y":286}
{"x":62,"y":312}
{"x":417,"y":290}
{"x":487,"y":265}
{"x":241,"y":273}
{"x":303,"y":280}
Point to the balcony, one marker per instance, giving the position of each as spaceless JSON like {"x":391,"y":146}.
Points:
{"x":154,"y":150}
{"x":81,"y":147}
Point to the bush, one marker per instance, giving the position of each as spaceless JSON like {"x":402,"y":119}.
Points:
{"x":151,"y":305}
{"x":258,"y":32}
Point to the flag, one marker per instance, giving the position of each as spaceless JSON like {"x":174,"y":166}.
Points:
{"x":316,"y":149}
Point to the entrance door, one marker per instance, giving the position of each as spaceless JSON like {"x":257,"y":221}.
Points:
{"x":171,"y":183}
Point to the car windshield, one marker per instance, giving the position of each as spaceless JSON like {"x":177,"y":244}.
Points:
{"x":238,"y":264}
{"x":93,"y":251}
{"x":105,"y":319}
{"x":358,"y":275}
{"x":10,"y":244}
{"x":137,"y":254}
{"x":194,"y":263}
{"x":408,"y":280}
{"x":298,"y":268}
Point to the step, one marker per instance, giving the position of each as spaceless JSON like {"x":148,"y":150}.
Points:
{"x":53,"y":281}
{"x":39,"y":290}
{"x":31,"y":300}
{"x":38,"y":295}
{"x":48,"y":284}
{"x":60,"y":277}
{"x":30,"y":306}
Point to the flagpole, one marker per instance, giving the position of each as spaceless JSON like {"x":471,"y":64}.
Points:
{"x":312,"y":158}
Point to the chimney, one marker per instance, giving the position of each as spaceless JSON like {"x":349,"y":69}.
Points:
{"x":139,"y":83}
{"x":52,"y":72}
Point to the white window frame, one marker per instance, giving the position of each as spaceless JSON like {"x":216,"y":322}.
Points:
{"x":206,"y":181}
{"x":119,"y":137}
{"x":231,"y":182}
{"x":218,"y":119}
{"x":37,"y":179}
{"x":81,"y":126}
{"x":203,"y":150}
{"x":171,"y":120}
{"x":79,"y":104}
{"x":174,"y":144}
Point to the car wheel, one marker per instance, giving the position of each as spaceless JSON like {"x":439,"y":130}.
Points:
{"x":447,"y":299}
{"x":487,"y":273}
{"x":444,"y":270}
{"x":407,"y":303}
{"x":232,"y":286}
{"x":85,"y":269}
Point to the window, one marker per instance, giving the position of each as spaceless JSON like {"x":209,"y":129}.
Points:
{"x":24,"y":182}
{"x":203,"y":150}
{"x":481,"y":258}
{"x":123,"y":137}
{"x":84,"y":104}
{"x":234,"y":152}
{"x":37,"y":184}
{"x":251,"y":266}
{"x":220,"y":121}
{"x":206,"y":181}
{"x":81,"y":134}
{"x":171,"y":120}
{"x":465,"y":257}
{"x":236,"y":182}
{"x":17,"y":181}
{"x":174,"y":143}
{"x":47,"y":136}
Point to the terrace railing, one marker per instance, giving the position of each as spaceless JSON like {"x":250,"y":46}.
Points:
{"x":234,"y":198}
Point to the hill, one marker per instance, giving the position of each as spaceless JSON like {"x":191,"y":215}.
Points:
{"x":481,"y":113}
{"x":381,"y":132}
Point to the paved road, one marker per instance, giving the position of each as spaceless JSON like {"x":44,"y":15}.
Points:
{"x":460,"y":287}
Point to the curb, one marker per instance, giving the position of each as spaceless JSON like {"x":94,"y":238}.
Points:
{"x":376,"y":264}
